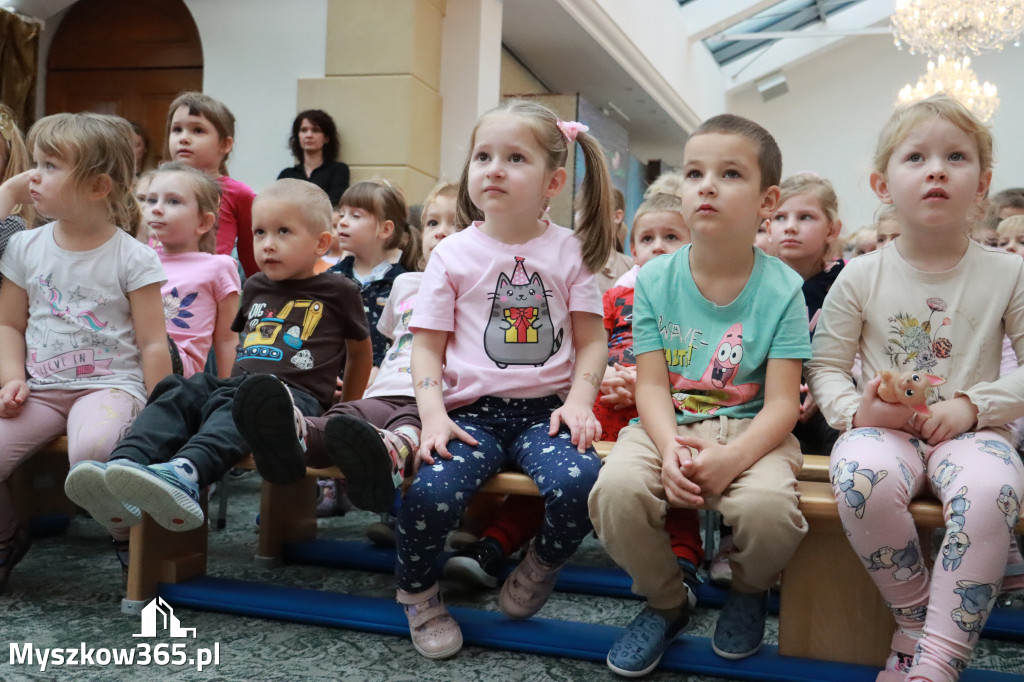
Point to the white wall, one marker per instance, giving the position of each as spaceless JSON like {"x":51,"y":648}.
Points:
{"x":829,"y":120}
{"x":254,"y":52}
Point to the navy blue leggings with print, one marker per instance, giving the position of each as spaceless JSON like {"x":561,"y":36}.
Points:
{"x":512,"y":434}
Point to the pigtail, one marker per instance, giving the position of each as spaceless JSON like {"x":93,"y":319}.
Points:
{"x":412,"y":249}
{"x":597,"y":205}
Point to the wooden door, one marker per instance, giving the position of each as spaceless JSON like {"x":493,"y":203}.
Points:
{"x":125,"y":57}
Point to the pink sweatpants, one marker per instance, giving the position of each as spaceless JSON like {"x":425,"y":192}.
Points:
{"x":979,"y":479}
{"x":94,"y":420}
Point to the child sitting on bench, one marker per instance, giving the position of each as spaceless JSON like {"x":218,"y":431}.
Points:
{"x":296,"y":326}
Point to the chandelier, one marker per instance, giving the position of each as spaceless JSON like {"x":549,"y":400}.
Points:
{"x":957,"y":27}
{"x":955,"y":77}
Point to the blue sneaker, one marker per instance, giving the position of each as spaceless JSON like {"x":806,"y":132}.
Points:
{"x":158,"y":490}
{"x":740,"y":628}
{"x":640,"y":648}
{"x":86,"y":487}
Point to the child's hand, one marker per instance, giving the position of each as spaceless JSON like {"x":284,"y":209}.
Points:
{"x":948,"y":419}
{"x":808,"y":408}
{"x":339,"y":384}
{"x":16,"y":189}
{"x":873,"y":411}
{"x":434,"y":437}
{"x":12,"y":398}
{"x":584,"y":428}
{"x":713,"y":467}
{"x":676,"y":466}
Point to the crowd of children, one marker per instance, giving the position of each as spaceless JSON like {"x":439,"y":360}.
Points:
{"x":735,"y":338}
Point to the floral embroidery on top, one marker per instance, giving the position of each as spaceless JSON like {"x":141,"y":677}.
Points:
{"x":919,"y":342}
{"x":174,"y":308}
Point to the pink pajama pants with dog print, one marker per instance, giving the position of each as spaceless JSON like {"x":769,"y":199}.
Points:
{"x":979,"y":479}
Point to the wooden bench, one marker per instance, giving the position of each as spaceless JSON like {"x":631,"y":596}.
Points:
{"x":830,"y":609}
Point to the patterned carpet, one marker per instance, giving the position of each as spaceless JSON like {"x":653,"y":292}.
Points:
{"x":66,"y":593}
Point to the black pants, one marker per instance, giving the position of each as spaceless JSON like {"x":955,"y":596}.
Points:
{"x":191,"y":418}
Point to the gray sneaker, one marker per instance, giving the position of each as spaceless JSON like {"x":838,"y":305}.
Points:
{"x":740,"y":628}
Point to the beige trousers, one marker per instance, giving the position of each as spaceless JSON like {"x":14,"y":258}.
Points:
{"x":628,"y":506}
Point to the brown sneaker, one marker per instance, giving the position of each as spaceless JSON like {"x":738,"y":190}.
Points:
{"x":527,"y":589}
{"x":435,"y":634}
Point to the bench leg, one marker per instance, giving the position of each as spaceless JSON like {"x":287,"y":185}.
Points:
{"x":287,"y":514}
{"x":162,"y":556}
{"x":830,"y":609}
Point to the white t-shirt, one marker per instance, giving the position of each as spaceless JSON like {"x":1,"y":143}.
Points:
{"x":507,"y":307}
{"x":395,"y":374}
{"x":80,"y":333}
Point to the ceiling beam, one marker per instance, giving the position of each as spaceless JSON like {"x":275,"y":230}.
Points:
{"x":705,"y":18}
{"x":745,"y":71}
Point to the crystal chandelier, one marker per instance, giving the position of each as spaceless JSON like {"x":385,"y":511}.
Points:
{"x":957,"y":27}
{"x":955,"y":77}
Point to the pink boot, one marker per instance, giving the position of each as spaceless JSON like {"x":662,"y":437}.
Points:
{"x":435,"y":634}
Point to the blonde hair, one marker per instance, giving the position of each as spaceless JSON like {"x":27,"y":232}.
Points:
{"x":312,"y":202}
{"x":823,"y":192}
{"x":441,"y":189}
{"x":207,"y":193}
{"x":666,"y":183}
{"x":214,"y":111}
{"x":18,"y":158}
{"x":386,"y":202}
{"x":596,"y":203}
{"x":657,"y":203}
{"x":95,"y":145}
{"x":940,"y":105}
{"x":1012,"y":226}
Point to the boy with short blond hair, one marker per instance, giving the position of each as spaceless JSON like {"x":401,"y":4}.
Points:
{"x":296,"y":325}
{"x":720,"y":333}
{"x":1011,"y":234}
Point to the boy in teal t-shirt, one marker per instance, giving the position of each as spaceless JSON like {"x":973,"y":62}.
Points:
{"x":720,"y":333}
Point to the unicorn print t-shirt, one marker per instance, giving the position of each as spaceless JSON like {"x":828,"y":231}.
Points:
{"x":395,"y":375}
{"x":507,"y":308}
{"x":80,"y":333}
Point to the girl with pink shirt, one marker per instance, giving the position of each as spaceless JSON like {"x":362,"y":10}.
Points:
{"x":508,"y":356}
{"x":201,"y":293}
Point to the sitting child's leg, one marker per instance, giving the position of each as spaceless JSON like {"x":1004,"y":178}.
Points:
{"x":564,"y":477}
{"x":762,"y":506}
{"x":627,"y":506}
{"x":875,"y":475}
{"x":431,"y":508}
{"x":42,"y":418}
{"x":968,"y":474}
{"x":515,"y":522}
{"x":683,"y":527}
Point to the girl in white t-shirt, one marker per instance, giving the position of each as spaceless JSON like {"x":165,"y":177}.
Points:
{"x":82,"y":338}
{"x":508,"y":356}
{"x":201,"y":293}
{"x":935,"y":303}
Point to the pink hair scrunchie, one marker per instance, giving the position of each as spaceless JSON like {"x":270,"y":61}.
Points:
{"x":570,"y":129}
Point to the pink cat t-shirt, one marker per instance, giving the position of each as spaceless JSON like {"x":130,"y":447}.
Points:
{"x":507,"y":307}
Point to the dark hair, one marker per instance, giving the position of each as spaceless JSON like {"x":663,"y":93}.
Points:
{"x":322,"y":120}
{"x":594,"y":227}
{"x":214,"y":111}
{"x":386,"y":202}
{"x":769,"y":156}
{"x":1007,"y":198}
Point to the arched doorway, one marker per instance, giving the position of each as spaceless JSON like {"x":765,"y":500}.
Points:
{"x":125,"y":57}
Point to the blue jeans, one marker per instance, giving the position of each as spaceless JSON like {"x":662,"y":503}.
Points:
{"x":512,"y":434}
